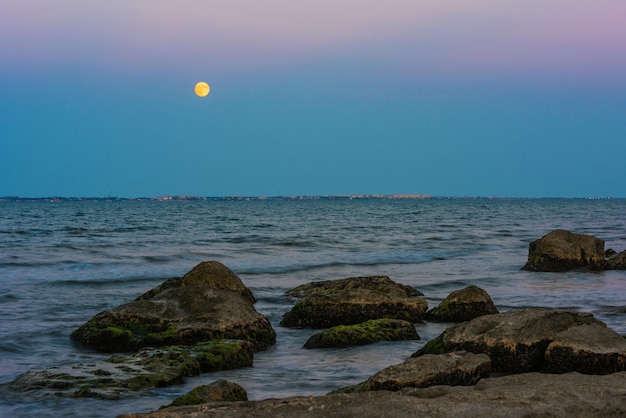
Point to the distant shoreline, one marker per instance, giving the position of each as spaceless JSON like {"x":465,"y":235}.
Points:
{"x":176,"y":198}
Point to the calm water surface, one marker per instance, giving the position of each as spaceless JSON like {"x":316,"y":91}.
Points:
{"x":61,"y":263}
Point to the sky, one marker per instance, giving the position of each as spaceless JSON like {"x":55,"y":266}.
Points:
{"x":455,"y":98}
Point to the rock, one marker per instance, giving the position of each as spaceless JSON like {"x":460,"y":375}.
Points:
{"x":521,"y":395}
{"x":463,"y":305}
{"x":211,"y":274}
{"x":562,"y":250}
{"x":590,"y":349}
{"x":367,"y":332}
{"x":617,"y":261}
{"x":459,"y":368}
{"x":218,"y":391}
{"x":210,"y":302}
{"x":354,"y":300}
{"x":519,"y":341}
{"x":148,"y":368}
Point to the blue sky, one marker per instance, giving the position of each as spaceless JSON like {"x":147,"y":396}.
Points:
{"x":492,"y":98}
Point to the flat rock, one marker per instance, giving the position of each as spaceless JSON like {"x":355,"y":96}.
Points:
{"x":367,"y":332}
{"x":458,"y":368}
{"x":463,"y":305}
{"x":589,"y":348}
{"x":536,"y":339}
{"x":125,"y":374}
{"x":210,"y":302}
{"x":522,"y":395}
{"x":562,"y":250}
{"x":354,"y":300}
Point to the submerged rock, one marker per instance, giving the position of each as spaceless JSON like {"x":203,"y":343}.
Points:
{"x":218,"y":391}
{"x":367,"y":332}
{"x":458,"y":368}
{"x":562,"y":250}
{"x":210,"y":302}
{"x":148,"y":368}
{"x":463,"y":305}
{"x":537,"y":339}
{"x":354,"y":300}
{"x":521,"y":395}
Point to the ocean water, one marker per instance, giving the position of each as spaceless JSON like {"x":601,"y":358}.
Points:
{"x":63,"y":262}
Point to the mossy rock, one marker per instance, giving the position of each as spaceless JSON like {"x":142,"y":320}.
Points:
{"x":148,"y":368}
{"x":218,"y":391}
{"x":352,"y":301}
{"x":208,"y":303}
{"x":364,"y":333}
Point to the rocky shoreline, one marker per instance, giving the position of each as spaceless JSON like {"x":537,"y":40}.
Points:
{"x":531,"y":362}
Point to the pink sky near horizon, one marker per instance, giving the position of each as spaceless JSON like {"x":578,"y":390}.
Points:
{"x":556,"y":39}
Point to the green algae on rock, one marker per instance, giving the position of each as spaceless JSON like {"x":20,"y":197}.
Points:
{"x":210,"y":302}
{"x":367,"y":332}
{"x":353,"y":300}
{"x":148,"y":368}
{"x":218,"y":391}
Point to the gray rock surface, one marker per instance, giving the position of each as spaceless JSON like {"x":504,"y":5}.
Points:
{"x":522,"y":395}
{"x":353,"y":300}
{"x":536,"y":339}
{"x":562,"y":250}
{"x":458,"y":368}
{"x":210,"y":302}
{"x":463,"y":305}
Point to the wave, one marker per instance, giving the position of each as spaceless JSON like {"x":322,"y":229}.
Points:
{"x":333,"y":264}
{"x":108,"y":281}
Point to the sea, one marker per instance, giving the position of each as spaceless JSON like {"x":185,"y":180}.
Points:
{"x":62,"y":262}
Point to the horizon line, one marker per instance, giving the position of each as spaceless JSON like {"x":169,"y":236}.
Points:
{"x":403,"y":196}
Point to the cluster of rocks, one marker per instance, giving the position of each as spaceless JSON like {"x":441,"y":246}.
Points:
{"x":201,"y":322}
{"x":562,"y":250}
{"x":206,"y":321}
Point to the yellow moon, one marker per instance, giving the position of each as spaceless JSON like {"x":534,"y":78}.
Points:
{"x":202,"y":89}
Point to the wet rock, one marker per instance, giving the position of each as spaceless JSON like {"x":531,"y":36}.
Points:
{"x":353,"y":300}
{"x":148,"y":368}
{"x":521,"y":395}
{"x":367,"y":332}
{"x":562,"y":250}
{"x":590,"y":349}
{"x":617,"y":261}
{"x":219,"y":391}
{"x":463,"y":305}
{"x":519,"y":341}
{"x":459,"y":368}
{"x":210,"y":302}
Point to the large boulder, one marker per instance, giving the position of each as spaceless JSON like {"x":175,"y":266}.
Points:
{"x":463,"y":305}
{"x":562,"y":250}
{"x":210,"y":302}
{"x":148,"y":368}
{"x":353,"y":300}
{"x":459,"y":368}
{"x":537,"y":339}
{"x":520,"y":395}
{"x":367,"y":332}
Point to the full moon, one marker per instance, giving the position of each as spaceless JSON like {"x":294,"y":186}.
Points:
{"x":202,"y":89}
